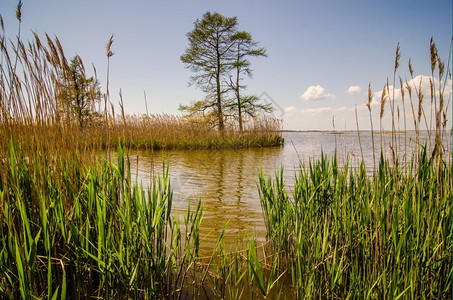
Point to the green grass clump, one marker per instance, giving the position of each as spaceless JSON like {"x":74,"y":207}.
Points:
{"x":69,"y":230}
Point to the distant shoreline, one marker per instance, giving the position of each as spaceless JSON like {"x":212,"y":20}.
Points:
{"x":352,"y":131}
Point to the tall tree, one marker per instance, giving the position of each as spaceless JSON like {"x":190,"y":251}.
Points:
{"x":209,"y":55}
{"x":244,"y":47}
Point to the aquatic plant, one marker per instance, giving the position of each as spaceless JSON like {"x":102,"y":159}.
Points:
{"x":69,"y":230}
{"x":343,"y":233}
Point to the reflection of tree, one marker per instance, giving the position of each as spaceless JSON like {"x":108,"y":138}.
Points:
{"x":226,"y":164}
{"x":220,"y":164}
{"x":240,"y":178}
{"x":225,"y":180}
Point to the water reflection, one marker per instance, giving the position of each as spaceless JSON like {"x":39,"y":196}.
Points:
{"x":226,"y":180}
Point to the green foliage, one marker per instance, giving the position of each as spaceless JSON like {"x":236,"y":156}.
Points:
{"x":69,"y":230}
{"x":244,"y":47}
{"x":345,"y":234}
{"x":209,"y":56}
{"x":216,"y":51}
{"x":80,"y":93}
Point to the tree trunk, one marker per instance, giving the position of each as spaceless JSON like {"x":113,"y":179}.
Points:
{"x":238,"y":96}
{"x":219,"y":107}
{"x":218,"y":92}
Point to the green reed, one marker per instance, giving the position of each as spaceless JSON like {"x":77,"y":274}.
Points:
{"x":245,"y":272}
{"x":70,"y":230}
{"x":345,"y":234}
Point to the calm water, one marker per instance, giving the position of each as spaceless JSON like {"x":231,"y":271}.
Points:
{"x":226,"y":180}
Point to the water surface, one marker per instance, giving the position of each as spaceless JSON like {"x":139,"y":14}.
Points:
{"x":226,"y":180}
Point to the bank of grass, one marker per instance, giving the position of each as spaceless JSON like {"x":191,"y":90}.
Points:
{"x":156,"y":132}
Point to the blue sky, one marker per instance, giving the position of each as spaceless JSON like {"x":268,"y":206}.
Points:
{"x":317,"y":50}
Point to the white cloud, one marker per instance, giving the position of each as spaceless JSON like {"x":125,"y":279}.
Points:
{"x":316,"y":92}
{"x":345,"y":117}
{"x":420,"y":82}
{"x":354,"y":90}
{"x":351,"y":108}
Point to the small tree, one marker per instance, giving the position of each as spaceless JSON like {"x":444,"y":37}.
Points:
{"x":209,"y":55}
{"x":80,"y":93}
{"x":244,"y":47}
{"x":201,"y":112}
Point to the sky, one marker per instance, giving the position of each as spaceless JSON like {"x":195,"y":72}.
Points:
{"x":322,"y":54}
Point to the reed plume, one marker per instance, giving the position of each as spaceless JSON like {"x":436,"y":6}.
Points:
{"x":368,"y":105}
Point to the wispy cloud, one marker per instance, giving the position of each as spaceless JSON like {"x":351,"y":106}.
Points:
{"x":316,"y":92}
{"x":354,"y":90}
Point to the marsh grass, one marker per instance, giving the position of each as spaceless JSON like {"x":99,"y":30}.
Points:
{"x":174,"y":132}
{"x":69,"y":230}
{"x":343,"y":233}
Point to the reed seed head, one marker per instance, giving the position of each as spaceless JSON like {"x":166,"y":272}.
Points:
{"x":410,"y":68}
{"x":2,"y":24}
{"x":409,"y":88}
{"x":397,"y":57}
{"x":434,"y":55}
{"x":108,"y":47}
{"x":431,"y":89}
{"x":402,"y":89}
{"x":383,"y":99}
{"x":19,"y":11}
{"x":370,"y":97}
{"x":420,"y":101}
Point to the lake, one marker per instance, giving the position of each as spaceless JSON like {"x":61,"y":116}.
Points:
{"x":226,"y":180}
